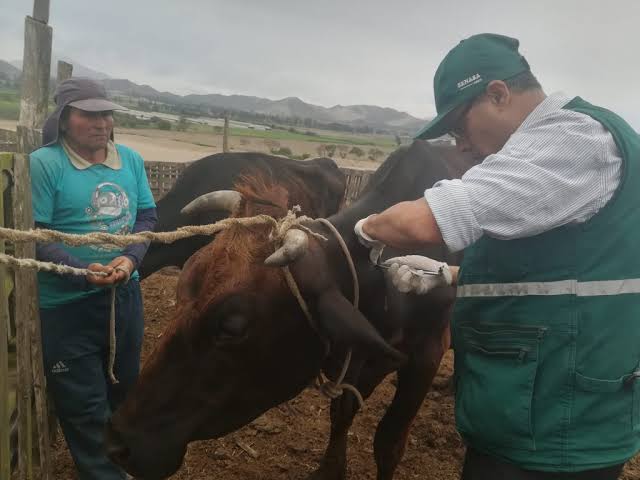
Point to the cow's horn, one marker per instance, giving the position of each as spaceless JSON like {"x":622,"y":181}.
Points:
{"x":219,"y":200}
{"x":294,"y":246}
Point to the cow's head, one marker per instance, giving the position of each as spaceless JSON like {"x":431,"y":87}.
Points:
{"x":239,"y":344}
{"x":316,"y":185}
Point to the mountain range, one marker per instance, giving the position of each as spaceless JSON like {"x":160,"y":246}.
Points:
{"x":9,"y":71}
{"x":356,"y":116}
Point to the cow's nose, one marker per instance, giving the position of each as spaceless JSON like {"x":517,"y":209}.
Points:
{"x":117,"y":450}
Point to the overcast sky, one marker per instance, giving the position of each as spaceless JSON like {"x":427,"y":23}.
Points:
{"x":330,"y":52}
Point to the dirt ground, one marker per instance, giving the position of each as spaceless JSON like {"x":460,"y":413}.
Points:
{"x":171,"y":146}
{"x":289,"y":440}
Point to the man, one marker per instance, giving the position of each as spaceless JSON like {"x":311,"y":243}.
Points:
{"x":545,"y":327}
{"x":82,"y":182}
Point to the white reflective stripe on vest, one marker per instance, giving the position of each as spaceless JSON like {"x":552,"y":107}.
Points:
{"x":562,"y":287}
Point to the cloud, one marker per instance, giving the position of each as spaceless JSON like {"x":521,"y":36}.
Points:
{"x":340,"y":52}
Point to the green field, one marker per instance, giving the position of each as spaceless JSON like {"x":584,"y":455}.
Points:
{"x":338,"y":139}
{"x":9,"y":104}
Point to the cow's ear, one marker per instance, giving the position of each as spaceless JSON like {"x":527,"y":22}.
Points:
{"x":346,"y":325}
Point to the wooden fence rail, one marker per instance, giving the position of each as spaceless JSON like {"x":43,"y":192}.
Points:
{"x":163,"y":175}
{"x":8,"y":141}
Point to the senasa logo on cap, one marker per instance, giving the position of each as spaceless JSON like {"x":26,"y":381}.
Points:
{"x":467,"y":82}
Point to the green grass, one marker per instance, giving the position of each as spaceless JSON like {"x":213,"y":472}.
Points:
{"x":9,"y":110}
{"x":332,"y":139}
{"x":9,"y":104}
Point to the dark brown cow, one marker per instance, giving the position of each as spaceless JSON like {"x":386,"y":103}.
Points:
{"x":317,"y":185}
{"x":240,"y":344}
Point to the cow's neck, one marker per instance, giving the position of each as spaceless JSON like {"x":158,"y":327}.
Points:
{"x":403,"y":176}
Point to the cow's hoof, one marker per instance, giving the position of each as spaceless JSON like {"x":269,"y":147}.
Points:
{"x":329,"y":472}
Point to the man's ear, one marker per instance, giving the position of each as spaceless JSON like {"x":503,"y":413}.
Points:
{"x":498,"y":93}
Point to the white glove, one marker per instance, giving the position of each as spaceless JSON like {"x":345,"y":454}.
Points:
{"x":376,"y":246}
{"x":417,"y":274}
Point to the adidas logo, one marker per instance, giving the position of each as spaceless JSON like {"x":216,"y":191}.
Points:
{"x":59,"y":367}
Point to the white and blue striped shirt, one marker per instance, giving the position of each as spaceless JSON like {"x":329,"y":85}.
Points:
{"x":559,"y":167}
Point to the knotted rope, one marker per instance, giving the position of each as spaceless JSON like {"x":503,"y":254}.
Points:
{"x":328,"y":387}
{"x":94,"y":238}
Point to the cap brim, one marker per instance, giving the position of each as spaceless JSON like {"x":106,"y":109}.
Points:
{"x":96,"y":105}
{"x":436,"y":127}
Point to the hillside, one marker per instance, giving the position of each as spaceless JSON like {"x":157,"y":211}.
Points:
{"x":290,"y":110}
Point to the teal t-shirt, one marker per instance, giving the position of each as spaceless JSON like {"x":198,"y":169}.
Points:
{"x":94,"y":199}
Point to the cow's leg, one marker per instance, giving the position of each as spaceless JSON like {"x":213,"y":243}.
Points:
{"x":333,"y":465}
{"x":414,"y":380}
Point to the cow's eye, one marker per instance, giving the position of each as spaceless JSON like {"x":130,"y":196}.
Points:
{"x":233,"y":326}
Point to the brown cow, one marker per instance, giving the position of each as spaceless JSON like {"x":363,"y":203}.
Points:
{"x":240,"y":344}
{"x":317,"y":185}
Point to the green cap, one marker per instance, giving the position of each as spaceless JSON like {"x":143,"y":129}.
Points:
{"x":465,"y":72}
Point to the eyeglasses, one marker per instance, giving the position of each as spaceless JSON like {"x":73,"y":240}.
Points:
{"x":458,"y":129}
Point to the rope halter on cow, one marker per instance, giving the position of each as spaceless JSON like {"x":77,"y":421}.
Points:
{"x":327,"y":387}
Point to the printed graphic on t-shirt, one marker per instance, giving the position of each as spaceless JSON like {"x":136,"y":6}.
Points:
{"x":109,"y":210}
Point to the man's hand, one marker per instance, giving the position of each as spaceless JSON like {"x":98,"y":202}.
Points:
{"x":118,"y":270}
{"x":101,"y":280}
{"x":123,"y":268}
{"x":417,"y":274}
{"x":375,"y":245}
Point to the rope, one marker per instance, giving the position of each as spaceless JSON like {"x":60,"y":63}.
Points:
{"x":280,"y":227}
{"x":347,"y":254}
{"x":39,"y":266}
{"x":327,"y":387}
{"x":335,"y":389}
{"x":112,"y":327}
{"x":112,"y":338}
{"x":31,"y":264}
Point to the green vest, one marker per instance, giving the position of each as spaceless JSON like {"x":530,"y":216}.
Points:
{"x":546,"y":333}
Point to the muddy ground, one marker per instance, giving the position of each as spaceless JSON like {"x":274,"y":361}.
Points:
{"x":288,"y":442}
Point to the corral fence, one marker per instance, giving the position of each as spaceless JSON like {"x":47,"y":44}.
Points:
{"x":25,"y":430}
{"x":24,"y":436}
{"x":163,"y":175}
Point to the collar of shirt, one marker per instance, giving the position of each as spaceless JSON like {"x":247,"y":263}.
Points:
{"x":552,"y":103}
{"x":112,"y":161}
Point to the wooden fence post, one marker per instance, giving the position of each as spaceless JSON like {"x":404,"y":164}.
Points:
{"x":29,"y":348}
{"x":41,"y":10}
{"x":65,"y":70}
{"x":6,"y":405}
{"x":225,"y":135}
{"x":36,"y":69}
{"x":24,"y":376}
